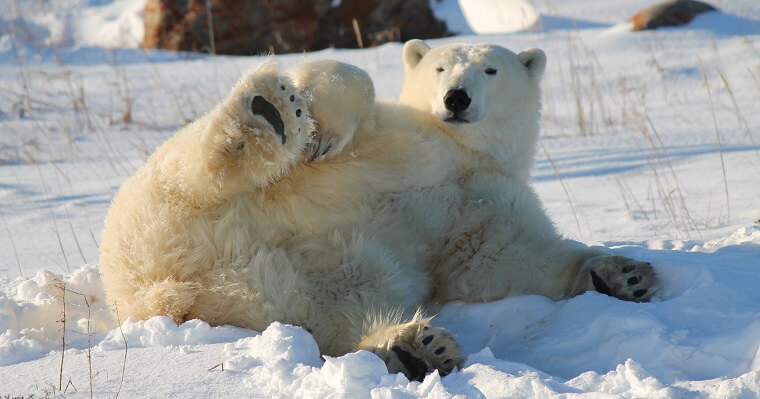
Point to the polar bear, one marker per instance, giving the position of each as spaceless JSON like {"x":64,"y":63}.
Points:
{"x":488,"y":99}
{"x":228,"y":222}
{"x":482,"y":229}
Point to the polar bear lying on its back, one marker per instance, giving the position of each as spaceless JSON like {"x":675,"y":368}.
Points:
{"x":227,"y":223}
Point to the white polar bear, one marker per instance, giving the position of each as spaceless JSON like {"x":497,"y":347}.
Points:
{"x":228,"y":222}
{"x":501,"y":242}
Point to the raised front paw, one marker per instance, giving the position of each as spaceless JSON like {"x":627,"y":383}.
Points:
{"x":340,"y":98}
{"x":416,"y":349}
{"x":623,"y":277}
{"x":260,"y":129}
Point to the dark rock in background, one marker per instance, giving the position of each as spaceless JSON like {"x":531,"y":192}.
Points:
{"x":669,"y":13}
{"x":285,"y":26}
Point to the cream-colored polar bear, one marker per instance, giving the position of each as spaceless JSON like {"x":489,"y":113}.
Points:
{"x":502,"y":243}
{"x":228,"y":223}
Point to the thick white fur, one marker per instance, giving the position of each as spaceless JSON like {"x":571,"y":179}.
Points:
{"x":504,"y":112}
{"x":250,"y":234}
{"x":228,"y":224}
{"x":500,"y":241}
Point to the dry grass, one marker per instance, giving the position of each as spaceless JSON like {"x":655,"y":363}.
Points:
{"x":585,"y":103}
{"x":717,"y":137}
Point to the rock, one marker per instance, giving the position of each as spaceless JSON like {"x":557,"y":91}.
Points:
{"x":669,"y":13}
{"x":285,"y":26}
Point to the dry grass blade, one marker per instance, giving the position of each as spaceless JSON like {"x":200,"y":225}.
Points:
{"x":126,"y":350}
{"x":62,"y":287}
{"x":717,"y":136}
{"x":13,"y":245}
{"x":739,"y":113}
{"x":55,"y":221}
{"x":564,"y":188}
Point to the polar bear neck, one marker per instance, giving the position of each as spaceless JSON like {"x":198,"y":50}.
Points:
{"x":508,"y":140}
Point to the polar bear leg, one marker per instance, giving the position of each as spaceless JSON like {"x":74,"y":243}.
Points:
{"x":505,"y":244}
{"x":346,"y":281}
{"x":414,"y":348}
{"x":340,"y":98}
{"x":354,"y":293}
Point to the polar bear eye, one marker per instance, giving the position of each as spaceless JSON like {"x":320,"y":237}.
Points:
{"x":490,"y":71}
{"x":439,"y":69}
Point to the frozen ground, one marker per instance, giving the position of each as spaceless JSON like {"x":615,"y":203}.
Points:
{"x":649,"y":146}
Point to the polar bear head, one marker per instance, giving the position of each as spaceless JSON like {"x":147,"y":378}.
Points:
{"x":486,"y":94}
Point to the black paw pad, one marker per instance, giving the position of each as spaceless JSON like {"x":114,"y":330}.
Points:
{"x":639,"y":293}
{"x":427,"y":340}
{"x":633,"y":280}
{"x":260,"y":106}
{"x":440,"y":350}
{"x":599,"y":284}
{"x":292,"y":98}
{"x":415,"y":367}
{"x":298,"y":113}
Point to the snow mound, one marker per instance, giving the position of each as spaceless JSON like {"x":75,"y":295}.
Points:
{"x":31,"y":317}
{"x":162,"y":331}
{"x":699,"y":335}
{"x":487,"y":16}
{"x":70,"y":23}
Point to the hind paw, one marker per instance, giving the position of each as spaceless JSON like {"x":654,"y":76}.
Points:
{"x":623,"y":277}
{"x":257,"y":132}
{"x":416,"y":349}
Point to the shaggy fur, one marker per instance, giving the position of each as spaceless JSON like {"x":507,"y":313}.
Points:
{"x":228,"y":221}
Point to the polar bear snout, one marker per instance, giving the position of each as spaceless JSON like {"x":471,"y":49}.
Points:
{"x":457,"y":101}
{"x":260,"y":106}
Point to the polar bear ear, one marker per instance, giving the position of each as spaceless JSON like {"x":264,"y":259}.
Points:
{"x":534,"y":61}
{"x":413,"y":52}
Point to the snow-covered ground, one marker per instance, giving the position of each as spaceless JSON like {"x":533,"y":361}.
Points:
{"x":649,"y":146}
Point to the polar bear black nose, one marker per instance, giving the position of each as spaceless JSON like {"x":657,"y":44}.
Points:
{"x":456,"y":101}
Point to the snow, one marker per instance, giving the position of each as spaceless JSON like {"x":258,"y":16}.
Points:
{"x":629,"y":159}
{"x":487,"y":16}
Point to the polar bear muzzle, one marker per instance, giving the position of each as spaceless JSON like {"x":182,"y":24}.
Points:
{"x":260,"y":106}
{"x":457,"y":101}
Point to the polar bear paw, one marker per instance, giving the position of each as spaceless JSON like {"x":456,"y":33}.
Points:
{"x":259,"y":130}
{"x":416,"y":349}
{"x":274,"y":104}
{"x":340,"y":98}
{"x":623,"y":278}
